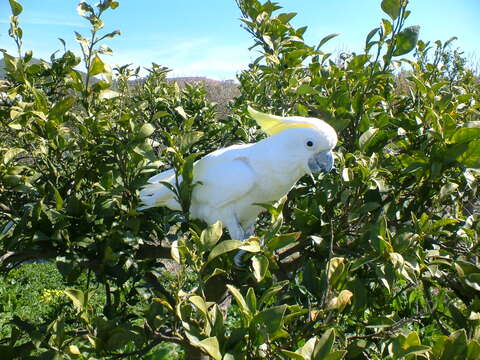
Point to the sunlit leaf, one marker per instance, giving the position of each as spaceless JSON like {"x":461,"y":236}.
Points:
{"x":16,"y":7}
{"x":211,"y":235}
{"x":260,"y":267}
{"x":211,"y":347}
{"x":224,"y":247}
{"x":146,"y":130}
{"x":239,"y":299}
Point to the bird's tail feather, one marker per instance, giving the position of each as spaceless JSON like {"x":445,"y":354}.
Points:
{"x":155,"y":193}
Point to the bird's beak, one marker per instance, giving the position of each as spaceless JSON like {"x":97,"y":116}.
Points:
{"x":322,"y":161}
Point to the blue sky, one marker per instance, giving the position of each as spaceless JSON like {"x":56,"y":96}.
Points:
{"x":204,"y":38}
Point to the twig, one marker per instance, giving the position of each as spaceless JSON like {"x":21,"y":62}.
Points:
{"x":387,"y":331}
{"x":157,"y":339}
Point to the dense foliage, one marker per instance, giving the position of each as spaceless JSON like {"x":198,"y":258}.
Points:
{"x":377,"y":260}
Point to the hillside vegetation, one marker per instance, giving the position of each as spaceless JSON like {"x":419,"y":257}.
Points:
{"x":378,"y":259}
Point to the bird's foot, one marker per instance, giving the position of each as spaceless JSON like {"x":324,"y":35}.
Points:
{"x":240,"y":259}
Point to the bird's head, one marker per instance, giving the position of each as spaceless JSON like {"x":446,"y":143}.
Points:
{"x":309,"y":140}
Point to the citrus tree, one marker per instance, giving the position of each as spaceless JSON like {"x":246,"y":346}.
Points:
{"x":376,"y":260}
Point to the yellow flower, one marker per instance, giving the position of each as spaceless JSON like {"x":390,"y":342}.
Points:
{"x":51,"y":295}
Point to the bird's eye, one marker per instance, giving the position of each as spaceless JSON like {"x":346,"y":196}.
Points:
{"x":309,"y":143}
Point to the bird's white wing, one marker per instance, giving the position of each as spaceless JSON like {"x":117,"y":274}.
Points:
{"x":222,"y":180}
{"x":157,"y":194}
{"x":167,"y":175}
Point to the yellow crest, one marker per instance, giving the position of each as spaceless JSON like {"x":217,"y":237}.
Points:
{"x":272,"y":124}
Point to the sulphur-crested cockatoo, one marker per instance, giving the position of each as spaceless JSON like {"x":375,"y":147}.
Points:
{"x":231,"y":180}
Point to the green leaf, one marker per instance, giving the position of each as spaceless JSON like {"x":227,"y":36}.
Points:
{"x":160,"y":114}
{"x":406,"y":40}
{"x":111,"y":35}
{"x":74,"y":350}
{"x":387,"y":27}
{"x":465,"y":268}
{"x":274,"y":289}
{"x":391,"y":8}
{"x":370,"y":35}
{"x":97,"y":66}
{"x":83,"y":8}
{"x":61,"y":108}
{"x":224,"y":247}
{"x":181,"y":111}
{"x":404,"y":346}
{"x":286,"y":17}
{"x":146,"y":130}
{"x":415,"y":350}
{"x":251,"y":300}
{"x":251,"y":245}
{"x":271,"y":319}
{"x":420,"y":84}
{"x":366,"y":137}
{"x":58,"y":198}
{"x":336,"y":355}
{"x":473,"y":350}
{"x":375,"y":141}
{"x":15,"y":7}
{"x":448,"y":189}
{"x":335,"y":269}
{"x":260,"y":267}
{"x":211,"y":347}
{"x":325,"y":39}
{"x":282,"y":240}
{"x":175,"y":252}
{"x":465,"y":135}
{"x":211,"y":235}
{"x":470,"y":156}
{"x":473,"y":280}
{"x":239,"y":299}
{"x":306,"y":89}
{"x":78,"y":297}
{"x":11,"y":154}
{"x":307,"y":349}
{"x":293,"y":355}
{"x":200,"y":304}
{"x":455,"y":347}
{"x":188,"y":139}
{"x":324,"y":345}
{"x":108,"y":94}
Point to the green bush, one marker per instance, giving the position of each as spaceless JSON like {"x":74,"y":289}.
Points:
{"x":377,"y":260}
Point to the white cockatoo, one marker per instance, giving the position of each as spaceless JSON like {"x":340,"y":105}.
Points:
{"x":230,"y":181}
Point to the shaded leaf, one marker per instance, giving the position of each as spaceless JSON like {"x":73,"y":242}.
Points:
{"x":465,"y":135}
{"x":15,"y":7}
{"x":391,"y":8}
{"x":406,"y":40}
{"x":326,"y":39}
{"x":473,"y":280}
{"x":293,"y":355}
{"x":271,"y":319}
{"x":324,"y":345}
